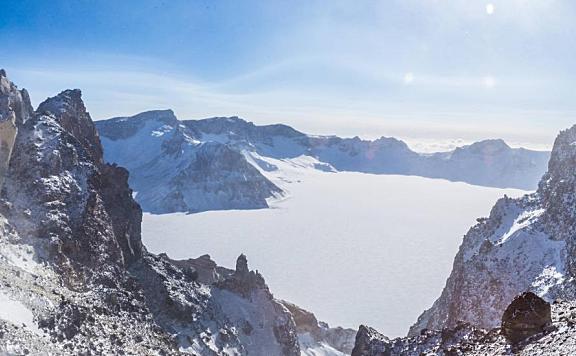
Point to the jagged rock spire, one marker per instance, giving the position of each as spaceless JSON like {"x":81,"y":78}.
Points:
{"x":242,"y":264}
{"x":68,"y":107}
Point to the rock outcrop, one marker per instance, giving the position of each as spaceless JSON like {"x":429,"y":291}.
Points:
{"x":317,"y":337}
{"x":526,"y":316}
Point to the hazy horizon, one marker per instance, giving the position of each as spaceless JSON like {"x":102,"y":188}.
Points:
{"x":425,"y":71}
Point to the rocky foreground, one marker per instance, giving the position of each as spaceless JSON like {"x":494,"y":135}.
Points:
{"x":530,"y":326}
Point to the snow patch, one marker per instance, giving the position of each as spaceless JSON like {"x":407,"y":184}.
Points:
{"x":16,"y":312}
{"x":310,"y":347}
{"x":522,"y":221}
{"x":549,"y":277}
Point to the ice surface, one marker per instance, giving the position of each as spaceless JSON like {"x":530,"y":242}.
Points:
{"x":353,"y":248}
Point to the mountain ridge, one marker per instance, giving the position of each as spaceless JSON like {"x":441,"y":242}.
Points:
{"x":147,"y":135}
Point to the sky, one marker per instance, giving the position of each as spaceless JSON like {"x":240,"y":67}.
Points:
{"x":433,"y":72}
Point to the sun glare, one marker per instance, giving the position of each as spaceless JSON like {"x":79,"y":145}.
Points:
{"x":489,"y":82}
{"x":408,"y":78}
{"x":490,"y":8}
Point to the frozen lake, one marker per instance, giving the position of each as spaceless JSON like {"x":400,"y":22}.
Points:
{"x":353,"y":248}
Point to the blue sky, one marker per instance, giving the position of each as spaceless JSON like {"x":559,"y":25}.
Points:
{"x":436,"y":70}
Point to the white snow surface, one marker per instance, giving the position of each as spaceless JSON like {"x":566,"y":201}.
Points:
{"x":311,"y":347}
{"x":17,"y":313}
{"x":354,"y":248}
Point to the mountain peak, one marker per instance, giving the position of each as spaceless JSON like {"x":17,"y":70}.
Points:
{"x":68,"y":108}
{"x":67,"y":99}
{"x":487,"y":146}
{"x":563,"y":155}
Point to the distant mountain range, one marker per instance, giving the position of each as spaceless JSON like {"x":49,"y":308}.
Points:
{"x":226,"y":162}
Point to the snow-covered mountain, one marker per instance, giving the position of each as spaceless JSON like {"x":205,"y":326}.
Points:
{"x":228,"y":163}
{"x":171,"y":170}
{"x":75,"y":277}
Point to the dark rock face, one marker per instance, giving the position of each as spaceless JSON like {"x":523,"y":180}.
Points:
{"x":125,"y":213}
{"x":370,"y":342}
{"x":63,"y":193}
{"x":243,"y":281}
{"x":558,"y":192}
{"x":70,"y":112}
{"x":527,"y":315}
{"x":55,"y":186}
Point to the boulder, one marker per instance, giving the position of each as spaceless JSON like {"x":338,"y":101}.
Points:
{"x":526,"y":316}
